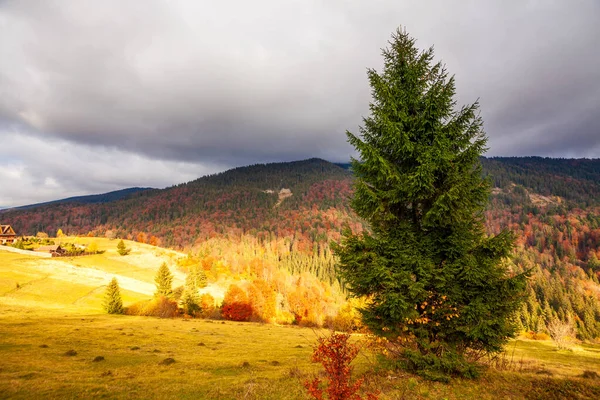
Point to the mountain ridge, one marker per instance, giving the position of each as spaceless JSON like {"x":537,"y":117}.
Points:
{"x":87,"y":199}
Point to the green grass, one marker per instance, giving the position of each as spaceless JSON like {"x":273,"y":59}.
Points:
{"x":52,"y":308}
{"x":278,"y":358}
{"x":212,"y":370}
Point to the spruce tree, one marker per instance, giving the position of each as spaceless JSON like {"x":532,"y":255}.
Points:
{"x":122,"y":249}
{"x":164,"y":282}
{"x":190,"y":300}
{"x":113,"y":304}
{"x":431,"y":274}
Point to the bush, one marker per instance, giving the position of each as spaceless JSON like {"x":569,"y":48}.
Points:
{"x":346,"y":320}
{"x":237,"y":311}
{"x":207,"y":307}
{"x":336,"y":354}
{"x":535,"y":335}
{"x":161,"y":307}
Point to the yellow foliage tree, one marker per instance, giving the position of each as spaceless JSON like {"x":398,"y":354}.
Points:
{"x":263,"y":300}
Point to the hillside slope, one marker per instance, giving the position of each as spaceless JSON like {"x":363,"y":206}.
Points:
{"x":240,"y":216}
{"x":234,"y":202}
{"x":79,"y":283}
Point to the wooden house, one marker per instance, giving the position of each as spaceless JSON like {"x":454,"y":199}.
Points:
{"x":55,"y":250}
{"x":7,"y":234}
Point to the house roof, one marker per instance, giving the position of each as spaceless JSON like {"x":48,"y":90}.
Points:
{"x":6,"y":230}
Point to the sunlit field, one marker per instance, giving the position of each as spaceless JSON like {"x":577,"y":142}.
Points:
{"x":56,"y":342}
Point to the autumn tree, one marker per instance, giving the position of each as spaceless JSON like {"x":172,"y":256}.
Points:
{"x":207,"y":304}
{"x":141,"y":237}
{"x":431,"y":273}
{"x":92,"y":248}
{"x":561,"y":332}
{"x":164,"y":282}
{"x":113,"y":304}
{"x":236,"y":306}
{"x":263,"y":300}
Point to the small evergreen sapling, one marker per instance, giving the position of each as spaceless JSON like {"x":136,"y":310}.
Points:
{"x":164,"y":282}
{"x":122,"y":249}
{"x":190,"y":299}
{"x":113,"y":304}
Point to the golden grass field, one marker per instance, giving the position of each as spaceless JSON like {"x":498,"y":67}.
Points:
{"x":57,"y":309}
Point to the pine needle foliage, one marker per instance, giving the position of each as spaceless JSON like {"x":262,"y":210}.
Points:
{"x":164,"y":282}
{"x":122,"y":249}
{"x":113,"y":303}
{"x":435,"y":281}
{"x":190,"y":301}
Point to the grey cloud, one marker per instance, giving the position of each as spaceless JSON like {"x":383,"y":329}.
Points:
{"x":233,"y":82}
{"x":36,"y":170}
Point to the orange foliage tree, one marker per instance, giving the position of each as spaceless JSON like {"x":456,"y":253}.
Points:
{"x":236,"y":306}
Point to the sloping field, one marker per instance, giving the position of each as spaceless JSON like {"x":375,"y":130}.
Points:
{"x":55,"y":343}
{"x":77,"y":283}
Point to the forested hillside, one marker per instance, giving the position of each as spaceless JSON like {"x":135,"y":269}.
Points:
{"x":256,"y":220}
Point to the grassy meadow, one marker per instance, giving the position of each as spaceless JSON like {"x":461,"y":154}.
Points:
{"x":55,"y":342}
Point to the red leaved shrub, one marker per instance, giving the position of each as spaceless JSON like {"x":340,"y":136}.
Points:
{"x":237,"y":311}
{"x":336,"y":354}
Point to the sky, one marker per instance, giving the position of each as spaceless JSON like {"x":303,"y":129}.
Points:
{"x":97,"y":96}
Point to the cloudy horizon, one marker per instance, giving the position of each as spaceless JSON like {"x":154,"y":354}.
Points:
{"x":100,"y":96}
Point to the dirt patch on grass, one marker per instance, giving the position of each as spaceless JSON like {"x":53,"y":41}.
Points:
{"x":590,"y":375}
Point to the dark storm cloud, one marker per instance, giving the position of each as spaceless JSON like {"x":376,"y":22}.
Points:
{"x":193,"y":87}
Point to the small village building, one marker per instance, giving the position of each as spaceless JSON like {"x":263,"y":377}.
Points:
{"x":7,"y":235}
{"x":55,"y":250}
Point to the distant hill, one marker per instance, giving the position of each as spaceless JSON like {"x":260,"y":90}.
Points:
{"x":246,"y":199}
{"x":289,"y":212}
{"x":241,"y":200}
{"x":89,"y":199}
{"x":575,"y":180}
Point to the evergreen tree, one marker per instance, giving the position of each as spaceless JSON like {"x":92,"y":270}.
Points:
{"x":164,"y":282}
{"x":113,"y":304}
{"x":122,"y":249}
{"x":190,"y":302}
{"x":431,"y":273}
{"x":196,"y":277}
